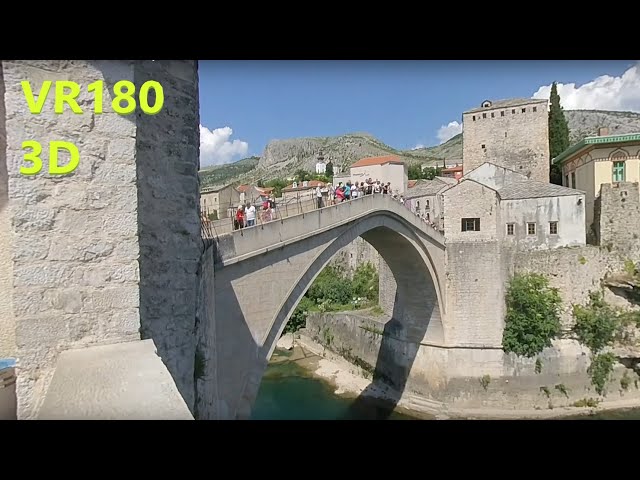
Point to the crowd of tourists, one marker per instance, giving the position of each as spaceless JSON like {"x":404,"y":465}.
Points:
{"x":248,"y":213}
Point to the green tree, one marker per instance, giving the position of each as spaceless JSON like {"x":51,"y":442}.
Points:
{"x":277,"y":184}
{"x":329,"y":171}
{"x":260,"y":184}
{"x":431,"y":172}
{"x":532,"y":319}
{"x":302,"y":175}
{"x":414,"y":172}
{"x":558,"y":134}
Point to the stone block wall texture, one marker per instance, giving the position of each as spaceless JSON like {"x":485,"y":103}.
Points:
{"x":7,"y":322}
{"x":619,"y":216}
{"x":167,"y":163}
{"x":518,"y":141}
{"x":575,"y":271}
{"x":98,"y":250}
{"x":75,"y":237}
{"x":357,"y":253}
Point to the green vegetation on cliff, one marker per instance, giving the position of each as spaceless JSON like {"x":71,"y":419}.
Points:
{"x":532,"y":319}
{"x":334,"y":291}
{"x":597,"y":326}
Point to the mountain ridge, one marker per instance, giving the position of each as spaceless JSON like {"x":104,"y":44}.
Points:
{"x":282,"y":157}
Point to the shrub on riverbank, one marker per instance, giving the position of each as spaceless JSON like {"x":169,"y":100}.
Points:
{"x":533,"y":315}
{"x":334,"y":291}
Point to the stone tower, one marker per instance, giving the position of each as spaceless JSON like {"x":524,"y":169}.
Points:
{"x":511,"y":133}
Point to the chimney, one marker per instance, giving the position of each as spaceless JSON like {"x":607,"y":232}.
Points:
{"x":603,"y":131}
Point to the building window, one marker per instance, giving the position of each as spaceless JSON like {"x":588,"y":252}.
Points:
{"x":573,"y":179}
{"x":426,"y":203}
{"x":524,"y":110}
{"x":618,"y":171}
{"x":474,"y":118}
{"x":493,"y":115}
{"x":510,"y":228}
{"x":505,"y":134}
{"x":531,"y":228}
{"x":470,"y":224}
{"x":502,"y":113}
{"x":484,"y":115}
{"x":483,"y":146}
{"x":553,"y":228}
{"x":566,"y":180}
{"x":428,"y":217}
{"x":535,"y":109}
{"x":513,"y":111}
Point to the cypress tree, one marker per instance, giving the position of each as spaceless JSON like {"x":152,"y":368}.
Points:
{"x":558,"y":134}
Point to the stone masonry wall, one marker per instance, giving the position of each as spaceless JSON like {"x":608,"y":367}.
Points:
{"x":75,"y":236}
{"x":519,"y":141}
{"x":575,"y":271}
{"x":167,"y":154}
{"x":357,"y":253}
{"x":7,"y":322}
{"x":619,"y":217}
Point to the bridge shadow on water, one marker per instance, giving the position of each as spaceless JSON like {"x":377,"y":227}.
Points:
{"x":394,"y":363}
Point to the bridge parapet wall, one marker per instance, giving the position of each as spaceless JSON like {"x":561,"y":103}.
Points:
{"x":253,"y":241}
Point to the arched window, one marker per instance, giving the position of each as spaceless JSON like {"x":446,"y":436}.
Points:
{"x":618,"y":171}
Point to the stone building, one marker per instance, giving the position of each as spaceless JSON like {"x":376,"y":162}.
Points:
{"x":493,"y":203}
{"x":389,"y":168}
{"x":596,"y":161}
{"x":221,"y":199}
{"x":424,"y":198}
{"x":511,"y":133}
{"x":302,"y":190}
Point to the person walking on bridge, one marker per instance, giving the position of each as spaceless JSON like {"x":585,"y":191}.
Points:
{"x":319,"y":196}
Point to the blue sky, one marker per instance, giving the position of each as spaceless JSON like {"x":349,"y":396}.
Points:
{"x":244,"y":104}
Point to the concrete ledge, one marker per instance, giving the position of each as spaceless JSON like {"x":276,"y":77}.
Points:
{"x":124,"y":381}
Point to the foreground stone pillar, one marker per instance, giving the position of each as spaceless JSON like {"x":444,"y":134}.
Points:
{"x":109,"y":252}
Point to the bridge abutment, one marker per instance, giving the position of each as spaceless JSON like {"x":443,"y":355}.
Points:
{"x":108,"y":253}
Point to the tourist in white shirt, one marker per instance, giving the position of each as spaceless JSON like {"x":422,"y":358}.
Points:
{"x":250,"y":212}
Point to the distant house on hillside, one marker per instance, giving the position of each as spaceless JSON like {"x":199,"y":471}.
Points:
{"x":254,"y":194}
{"x":221,"y":199}
{"x":301,"y":190}
{"x":389,"y":168}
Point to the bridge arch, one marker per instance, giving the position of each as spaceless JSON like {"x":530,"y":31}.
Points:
{"x":262,"y":273}
{"x":418,"y":304}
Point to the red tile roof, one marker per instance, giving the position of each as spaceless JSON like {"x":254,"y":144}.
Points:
{"x":411,"y":183}
{"x":243,"y":188}
{"x":310,"y":184}
{"x":366,"y":162}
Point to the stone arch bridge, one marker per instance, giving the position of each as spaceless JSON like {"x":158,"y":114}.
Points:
{"x":261,"y":273}
{"x":108,"y":294}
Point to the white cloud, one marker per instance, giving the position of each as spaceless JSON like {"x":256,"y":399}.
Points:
{"x":446,"y":132}
{"x":216,"y":149}
{"x":418,"y":146}
{"x":604,"y":93}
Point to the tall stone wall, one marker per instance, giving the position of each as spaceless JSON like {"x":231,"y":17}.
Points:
{"x":112,"y":245}
{"x":167,"y":162}
{"x":575,"y":271}
{"x":618,"y":217}
{"x":510,"y":138}
{"x":357,"y":253}
{"x":7,"y":323}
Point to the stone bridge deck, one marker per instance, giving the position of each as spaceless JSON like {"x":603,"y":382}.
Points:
{"x":248,"y":242}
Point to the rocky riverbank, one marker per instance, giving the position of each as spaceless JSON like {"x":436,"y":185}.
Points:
{"x":350,"y":381}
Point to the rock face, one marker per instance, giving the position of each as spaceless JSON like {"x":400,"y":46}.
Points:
{"x":282,"y":157}
{"x":286,"y":156}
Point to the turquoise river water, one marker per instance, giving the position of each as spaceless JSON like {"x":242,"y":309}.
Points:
{"x":288,"y":392}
